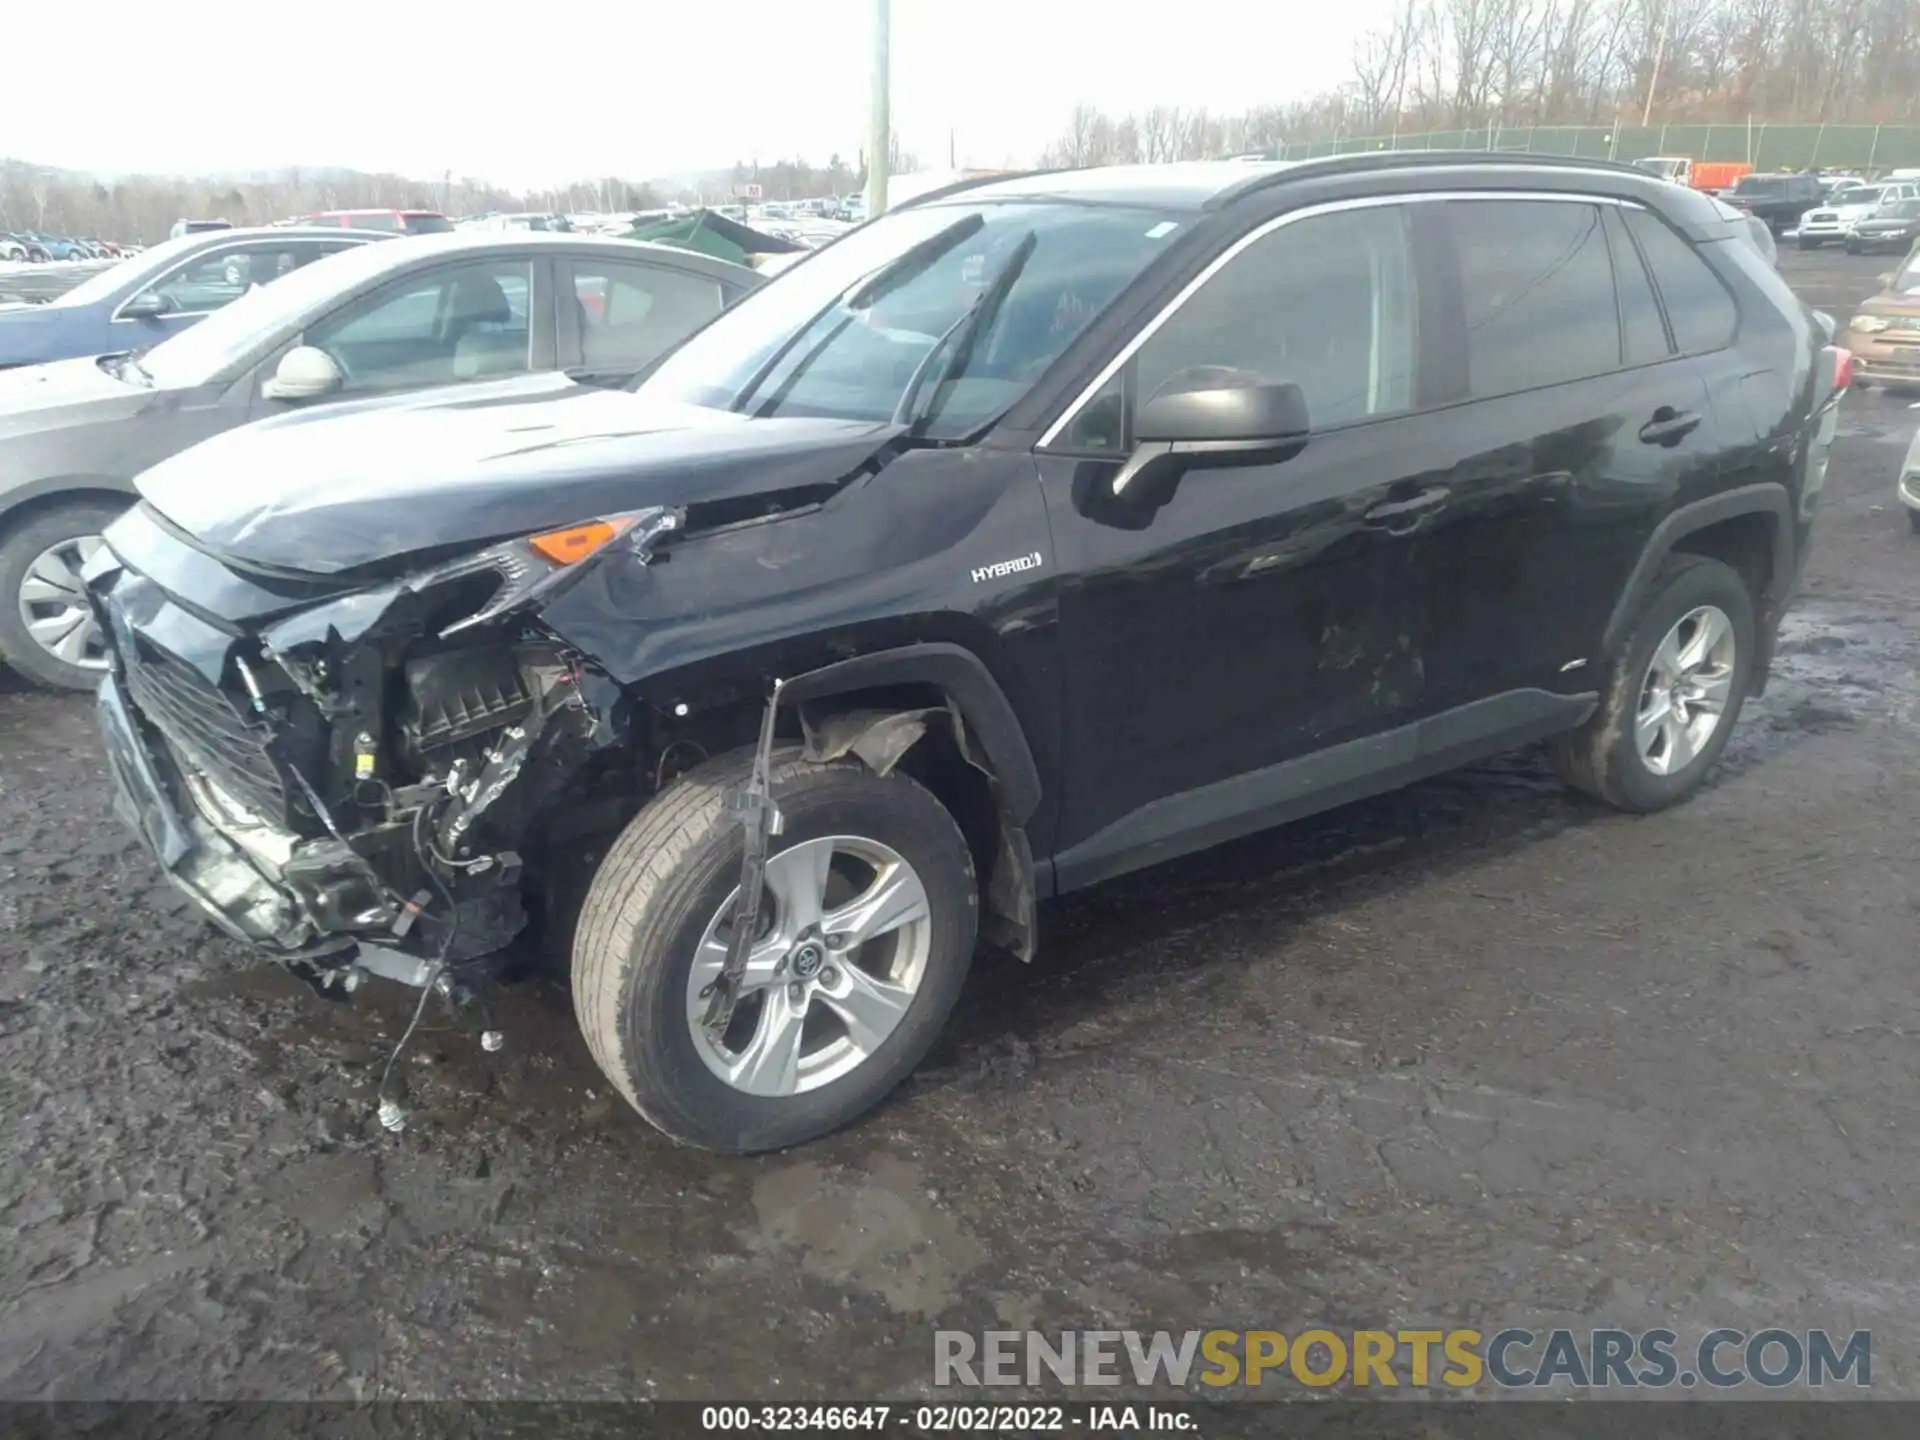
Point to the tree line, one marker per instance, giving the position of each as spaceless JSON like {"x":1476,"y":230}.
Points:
{"x":1465,"y":64}
{"x":140,"y":209}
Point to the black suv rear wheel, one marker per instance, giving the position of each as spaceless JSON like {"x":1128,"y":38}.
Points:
{"x":1675,"y":694}
{"x":866,"y":932}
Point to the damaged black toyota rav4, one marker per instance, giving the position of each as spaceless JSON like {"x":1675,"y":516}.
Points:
{"x":1032,"y":533}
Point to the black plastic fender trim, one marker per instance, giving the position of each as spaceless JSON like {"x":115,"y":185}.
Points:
{"x":1763,"y":499}
{"x":989,"y":715}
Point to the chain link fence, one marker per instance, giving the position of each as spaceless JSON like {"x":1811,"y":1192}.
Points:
{"x":1764,"y":146}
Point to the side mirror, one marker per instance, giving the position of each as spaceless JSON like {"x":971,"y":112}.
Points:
{"x":1196,"y":421}
{"x":303,"y":373}
{"x":147,"y":305}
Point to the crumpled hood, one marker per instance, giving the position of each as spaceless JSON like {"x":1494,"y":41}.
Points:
{"x":341,"y":487}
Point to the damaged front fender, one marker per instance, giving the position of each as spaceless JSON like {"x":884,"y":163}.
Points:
{"x":880,"y":739}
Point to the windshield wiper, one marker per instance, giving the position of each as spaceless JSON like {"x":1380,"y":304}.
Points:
{"x":959,"y":339}
{"x":902,"y":268}
{"x":911,"y":261}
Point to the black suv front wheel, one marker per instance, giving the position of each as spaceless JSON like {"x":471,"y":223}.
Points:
{"x":866,"y":932}
{"x":1675,"y":694}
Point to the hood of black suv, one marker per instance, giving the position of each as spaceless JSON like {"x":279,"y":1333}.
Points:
{"x":343,"y":488}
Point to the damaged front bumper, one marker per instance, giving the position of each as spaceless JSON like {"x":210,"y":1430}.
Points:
{"x":306,"y":899}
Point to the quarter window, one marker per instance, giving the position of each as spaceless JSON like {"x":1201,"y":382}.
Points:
{"x":1326,"y":303}
{"x":1537,"y":293}
{"x":1699,"y":308}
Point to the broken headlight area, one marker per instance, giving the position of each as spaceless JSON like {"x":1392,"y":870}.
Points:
{"x":375,"y":767}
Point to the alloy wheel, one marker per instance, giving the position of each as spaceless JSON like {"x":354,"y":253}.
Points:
{"x":53,"y":604}
{"x":1685,"y":692}
{"x":845,"y":935}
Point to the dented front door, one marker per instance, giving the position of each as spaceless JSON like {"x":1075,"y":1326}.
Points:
{"x":1264,"y":613}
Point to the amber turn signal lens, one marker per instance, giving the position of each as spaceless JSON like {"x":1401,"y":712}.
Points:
{"x":575,"y":543}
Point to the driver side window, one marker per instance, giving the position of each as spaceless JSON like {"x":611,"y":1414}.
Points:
{"x":465,"y":322}
{"x":202,"y":286}
{"x":1326,"y":302}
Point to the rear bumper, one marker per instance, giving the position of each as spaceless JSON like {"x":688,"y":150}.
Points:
{"x":292,"y":908}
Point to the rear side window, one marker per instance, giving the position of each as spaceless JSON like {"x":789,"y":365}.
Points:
{"x":1699,"y":308}
{"x":1643,"y":334}
{"x":1537,"y":293}
{"x":426,"y":224}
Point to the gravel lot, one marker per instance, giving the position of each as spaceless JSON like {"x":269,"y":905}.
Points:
{"x":1476,"y":1053}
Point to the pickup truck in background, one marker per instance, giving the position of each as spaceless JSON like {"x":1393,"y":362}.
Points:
{"x":1700,"y":174}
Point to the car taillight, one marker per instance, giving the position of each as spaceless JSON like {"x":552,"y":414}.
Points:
{"x":1842,"y":367}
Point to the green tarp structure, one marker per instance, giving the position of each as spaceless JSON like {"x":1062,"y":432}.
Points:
{"x":712,"y":234}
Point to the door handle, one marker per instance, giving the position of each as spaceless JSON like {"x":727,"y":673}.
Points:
{"x":1400,"y":514}
{"x":1668,"y":426}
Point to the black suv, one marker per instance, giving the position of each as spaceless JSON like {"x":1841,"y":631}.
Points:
{"x":1779,"y":200}
{"x":1037,"y":531}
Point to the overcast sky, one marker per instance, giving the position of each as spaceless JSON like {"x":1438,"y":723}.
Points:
{"x":532,"y":95}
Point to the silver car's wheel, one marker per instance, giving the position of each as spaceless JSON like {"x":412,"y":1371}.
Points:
{"x":53,"y":604}
{"x":1684,"y":694}
{"x":845,"y":935}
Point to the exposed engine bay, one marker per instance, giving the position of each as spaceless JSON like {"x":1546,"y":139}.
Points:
{"x":374,"y":768}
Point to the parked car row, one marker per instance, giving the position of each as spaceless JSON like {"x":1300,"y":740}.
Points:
{"x":30,"y":245}
{"x":1841,"y":215}
{"x":1034,"y":532}
{"x":172,"y":348}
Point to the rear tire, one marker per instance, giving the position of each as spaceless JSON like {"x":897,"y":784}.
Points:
{"x":668,"y":882}
{"x":21,"y":548}
{"x":1608,"y":756}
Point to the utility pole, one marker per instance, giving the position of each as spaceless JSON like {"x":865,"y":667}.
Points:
{"x":879,"y":118}
{"x":1659,"y":54}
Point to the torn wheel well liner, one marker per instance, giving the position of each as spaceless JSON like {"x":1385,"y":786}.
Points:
{"x":975,"y":695}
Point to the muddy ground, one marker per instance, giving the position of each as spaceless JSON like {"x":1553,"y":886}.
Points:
{"x":1475,"y":1053}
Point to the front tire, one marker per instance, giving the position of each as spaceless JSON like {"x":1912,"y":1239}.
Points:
{"x":47,"y":632}
{"x":1675,"y":694}
{"x":1807,"y":242}
{"x":867,"y":931}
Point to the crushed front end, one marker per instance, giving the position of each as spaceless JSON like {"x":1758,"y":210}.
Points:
{"x":326,"y":761}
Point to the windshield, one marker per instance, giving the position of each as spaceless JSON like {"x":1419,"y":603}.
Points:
{"x":108,"y":282}
{"x":1862,"y":195}
{"x":232,"y":333}
{"x":946,"y":311}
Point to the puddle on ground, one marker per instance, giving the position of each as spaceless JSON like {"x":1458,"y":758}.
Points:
{"x":879,"y":1232}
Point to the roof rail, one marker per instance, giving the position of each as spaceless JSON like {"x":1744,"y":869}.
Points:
{"x":972,"y":182}
{"x":1367,"y":161}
